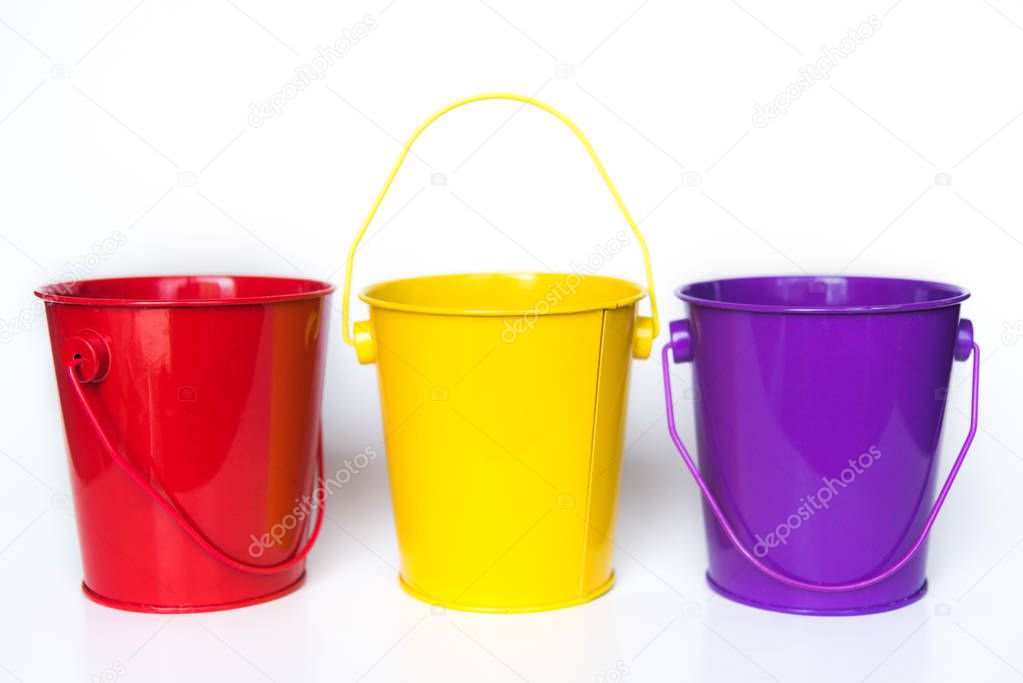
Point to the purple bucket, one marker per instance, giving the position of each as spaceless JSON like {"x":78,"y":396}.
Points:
{"x":819,"y":403}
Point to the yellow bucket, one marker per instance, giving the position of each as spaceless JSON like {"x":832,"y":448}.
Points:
{"x":503,"y":399}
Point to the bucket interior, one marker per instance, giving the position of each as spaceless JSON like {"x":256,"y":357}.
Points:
{"x":183,"y":290}
{"x":814,"y":294}
{"x":504,"y":294}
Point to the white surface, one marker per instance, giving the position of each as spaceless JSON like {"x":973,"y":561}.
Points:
{"x":107,"y":108}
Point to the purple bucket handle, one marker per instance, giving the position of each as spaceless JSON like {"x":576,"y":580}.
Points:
{"x":681,"y":348}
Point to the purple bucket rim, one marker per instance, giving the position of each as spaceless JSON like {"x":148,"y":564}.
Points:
{"x":955,"y":295}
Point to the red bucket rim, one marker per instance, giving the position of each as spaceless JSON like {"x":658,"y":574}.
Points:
{"x":145,"y":291}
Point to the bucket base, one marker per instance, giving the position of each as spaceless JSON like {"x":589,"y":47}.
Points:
{"x":842,"y":612}
{"x":595,"y":593}
{"x":190,"y":609}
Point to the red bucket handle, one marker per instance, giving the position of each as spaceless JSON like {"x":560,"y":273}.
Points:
{"x":681,"y":348}
{"x":93,"y":367}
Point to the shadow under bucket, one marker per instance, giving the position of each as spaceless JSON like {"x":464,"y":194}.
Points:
{"x":819,"y":405}
{"x":192,"y":409}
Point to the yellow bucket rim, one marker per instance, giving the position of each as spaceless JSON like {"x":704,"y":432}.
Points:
{"x":377,"y":295}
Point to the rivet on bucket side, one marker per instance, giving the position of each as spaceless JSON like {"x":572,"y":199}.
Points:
{"x":89,"y":353}
{"x":964,"y":340}
{"x":365,"y":344}
{"x":643,"y":341}
{"x":681,"y":341}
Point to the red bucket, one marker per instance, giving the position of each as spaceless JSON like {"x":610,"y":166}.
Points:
{"x":192,"y":412}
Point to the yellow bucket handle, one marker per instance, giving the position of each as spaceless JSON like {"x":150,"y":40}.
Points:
{"x":647,"y":328}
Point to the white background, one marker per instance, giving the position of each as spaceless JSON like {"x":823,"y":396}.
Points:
{"x":133,"y":117}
